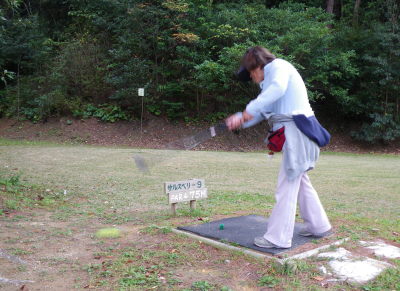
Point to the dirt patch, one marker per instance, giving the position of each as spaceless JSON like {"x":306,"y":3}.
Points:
{"x":59,"y":255}
{"x":55,"y":253}
{"x":41,"y":253}
{"x":155,"y":133}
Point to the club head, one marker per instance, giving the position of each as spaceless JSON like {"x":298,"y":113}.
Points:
{"x":141,"y":163}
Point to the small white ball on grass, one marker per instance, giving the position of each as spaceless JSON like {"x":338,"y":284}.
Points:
{"x":110,"y":232}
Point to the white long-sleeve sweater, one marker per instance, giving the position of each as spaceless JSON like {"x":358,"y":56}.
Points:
{"x":282,"y":92}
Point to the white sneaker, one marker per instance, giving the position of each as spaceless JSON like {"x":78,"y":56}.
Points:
{"x":305,"y":232}
{"x":263,"y":243}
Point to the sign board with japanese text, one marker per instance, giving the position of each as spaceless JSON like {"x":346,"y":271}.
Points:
{"x":183,"y":191}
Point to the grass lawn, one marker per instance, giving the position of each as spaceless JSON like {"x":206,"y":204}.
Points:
{"x":54,"y":198}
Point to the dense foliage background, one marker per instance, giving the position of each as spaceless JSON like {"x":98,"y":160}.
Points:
{"x":88,"y":58}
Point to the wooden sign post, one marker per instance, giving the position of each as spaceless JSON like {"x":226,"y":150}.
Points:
{"x":182,"y":191}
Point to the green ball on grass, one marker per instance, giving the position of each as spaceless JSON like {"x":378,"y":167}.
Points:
{"x":109,"y":232}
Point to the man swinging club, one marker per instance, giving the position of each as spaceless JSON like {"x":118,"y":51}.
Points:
{"x":283,"y":101}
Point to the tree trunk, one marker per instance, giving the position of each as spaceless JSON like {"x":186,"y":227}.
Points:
{"x":18,"y":90}
{"x":355,"y":12}
{"x":329,"y":6}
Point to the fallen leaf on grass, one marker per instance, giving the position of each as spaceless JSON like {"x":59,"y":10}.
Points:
{"x":318,"y":278}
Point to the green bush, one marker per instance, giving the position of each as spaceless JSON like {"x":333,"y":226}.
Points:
{"x":29,"y":101}
{"x":104,"y":112}
{"x":382,"y":128}
{"x":173,"y":110}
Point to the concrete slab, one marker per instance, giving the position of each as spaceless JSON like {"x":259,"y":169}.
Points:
{"x":357,"y":271}
{"x":351,"y":268}
{"x":339,"y":254}
{"x":313,"y":252}
{"x":382,"y":249}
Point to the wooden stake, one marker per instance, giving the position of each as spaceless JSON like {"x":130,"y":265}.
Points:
{"x":173,"y":209}
{"x":192,"y":204}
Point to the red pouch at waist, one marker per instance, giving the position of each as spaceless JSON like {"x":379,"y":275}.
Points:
{"x":276,"y":139}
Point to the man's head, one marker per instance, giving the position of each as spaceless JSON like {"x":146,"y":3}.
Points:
{"x":254,"y":61}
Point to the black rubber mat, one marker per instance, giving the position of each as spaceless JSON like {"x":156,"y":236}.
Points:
{"x":242,"y":230}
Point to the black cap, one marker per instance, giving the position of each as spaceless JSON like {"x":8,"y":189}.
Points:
{"x":243,"y":75}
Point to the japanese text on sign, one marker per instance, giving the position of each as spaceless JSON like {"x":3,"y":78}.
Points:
{"x":192,"y":184}
{"x":187,"y":195}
